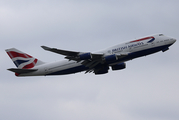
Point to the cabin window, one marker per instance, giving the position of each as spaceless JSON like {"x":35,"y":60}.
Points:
{"x":161,"y":35}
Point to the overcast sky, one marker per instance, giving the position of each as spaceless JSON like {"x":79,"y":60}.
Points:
{"x":148,"y":89}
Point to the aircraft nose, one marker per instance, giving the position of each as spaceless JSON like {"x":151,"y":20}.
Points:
{"x":174,"y":40}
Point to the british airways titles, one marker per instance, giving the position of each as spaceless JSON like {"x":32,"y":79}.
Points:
{"x":115,"y":50}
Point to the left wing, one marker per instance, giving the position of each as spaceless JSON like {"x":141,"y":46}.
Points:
{"x":62,"y":52}
{"x":90,"y":60}
{"x":72,"y":55}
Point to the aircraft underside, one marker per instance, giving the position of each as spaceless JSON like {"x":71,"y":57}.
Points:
{"x":127,"y":58}
{"x":98,"y":63}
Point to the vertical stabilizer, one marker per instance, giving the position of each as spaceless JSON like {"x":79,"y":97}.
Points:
{"x":23,"y":60}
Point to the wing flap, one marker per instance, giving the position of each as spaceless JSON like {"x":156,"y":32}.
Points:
{"x":20,"y":71}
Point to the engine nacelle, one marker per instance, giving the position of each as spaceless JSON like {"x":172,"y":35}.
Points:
{"x":119,"y":66}
{"x":85,"y":56}
{"x":110,"y":58}
{"x":165,"y":49}
{"x":102,"y":71}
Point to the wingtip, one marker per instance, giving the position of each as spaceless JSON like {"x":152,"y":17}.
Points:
{"x":45,"y":47}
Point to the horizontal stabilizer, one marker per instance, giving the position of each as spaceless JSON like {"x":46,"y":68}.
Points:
{"x":20,"y":71}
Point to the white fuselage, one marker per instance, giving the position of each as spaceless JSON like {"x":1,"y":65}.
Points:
{"x":133,"y":49}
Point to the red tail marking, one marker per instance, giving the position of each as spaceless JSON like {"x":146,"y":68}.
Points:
{"x":17,"y":74}
{"x":31,"y":65}
{"x":13,"y":54}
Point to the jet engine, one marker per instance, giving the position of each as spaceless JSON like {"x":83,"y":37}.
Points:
{"x":85,"y":56}
{"x":104,"y":70}
{"x":165,"y":49}
{"x":110,"y":58}
{"x":119,"y":66}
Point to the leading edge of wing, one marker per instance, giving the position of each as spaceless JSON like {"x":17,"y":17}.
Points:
{"x":62,"y":52}
{"x":70,"y":54}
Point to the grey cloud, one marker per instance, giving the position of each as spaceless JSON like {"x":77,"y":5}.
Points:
{"x":146,"y":89}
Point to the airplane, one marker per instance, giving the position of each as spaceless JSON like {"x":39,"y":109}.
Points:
{"x":97,"y":62}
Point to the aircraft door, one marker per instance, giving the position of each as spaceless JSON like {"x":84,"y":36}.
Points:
{"x":167,"y":41}
{"x":46,"y":70}
{"x":131,"y":49}
{"x":152,"y":43}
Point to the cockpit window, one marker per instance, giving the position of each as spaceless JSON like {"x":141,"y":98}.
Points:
{"x":161,"y":35}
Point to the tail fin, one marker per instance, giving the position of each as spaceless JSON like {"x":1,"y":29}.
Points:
{"x":22,"y":60}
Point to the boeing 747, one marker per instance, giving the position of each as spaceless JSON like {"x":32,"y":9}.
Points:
{"x":97,"y":62}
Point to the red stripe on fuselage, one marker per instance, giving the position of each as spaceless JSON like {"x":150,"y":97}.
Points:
{"x":13,"y":54}
{"x":141,"y":39}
